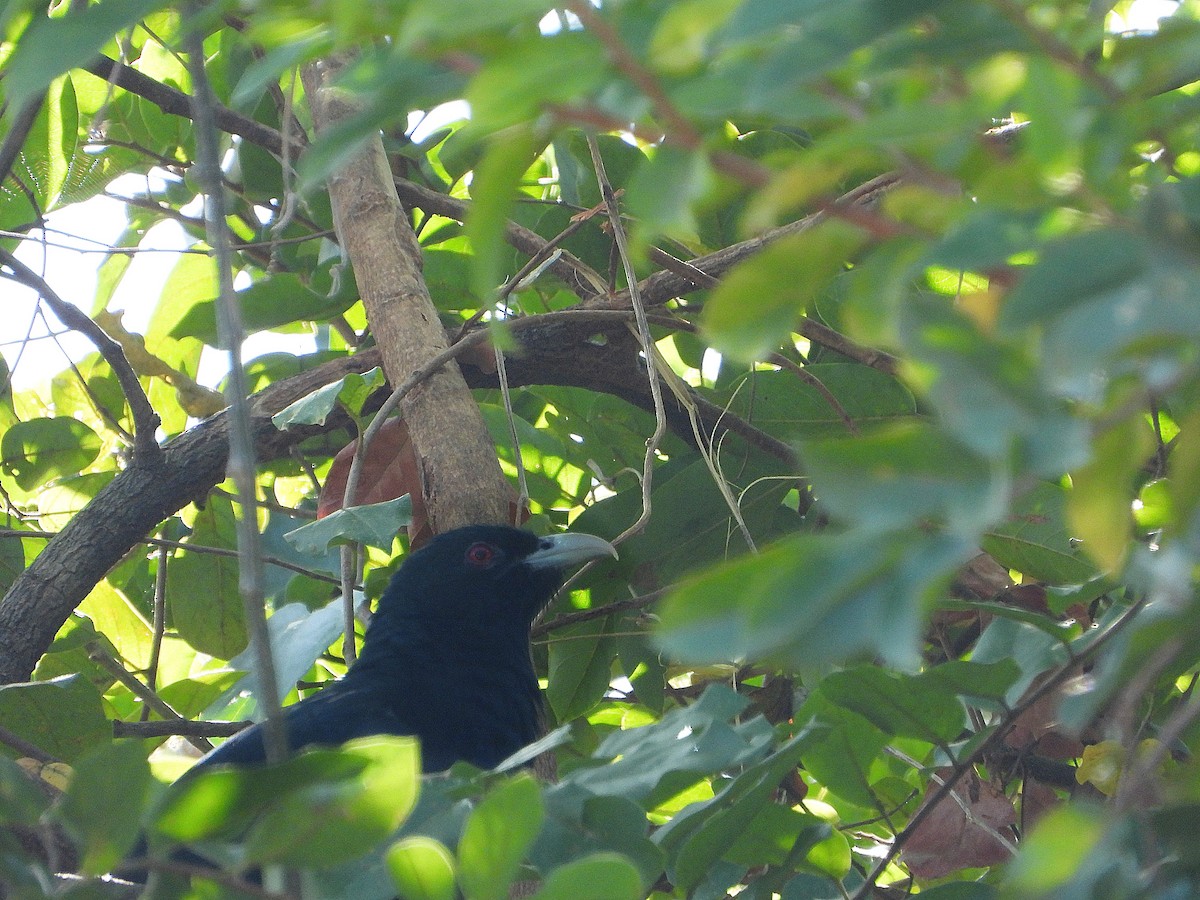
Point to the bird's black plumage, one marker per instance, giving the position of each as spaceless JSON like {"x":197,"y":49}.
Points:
{"x":446,"y":656}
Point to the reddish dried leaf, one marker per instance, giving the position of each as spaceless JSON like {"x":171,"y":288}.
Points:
{"x":390,"y":470}
{"x":1037,"y":728}
{"x":947,"y":840}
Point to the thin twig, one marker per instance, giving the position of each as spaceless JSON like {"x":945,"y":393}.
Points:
{"x":98,"y":654}
{"x":160,"y":623}
{"x":643,"y":331}
{"x":241,"y":464}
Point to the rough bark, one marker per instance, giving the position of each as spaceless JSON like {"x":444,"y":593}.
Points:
{"x":462,"y":479}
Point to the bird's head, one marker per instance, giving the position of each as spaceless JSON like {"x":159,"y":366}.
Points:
{"x":491,"y":572}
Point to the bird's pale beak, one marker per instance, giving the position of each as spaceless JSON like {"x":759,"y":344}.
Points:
{"x":561,"y":551}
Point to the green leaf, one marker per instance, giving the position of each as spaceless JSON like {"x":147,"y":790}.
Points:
{"x":664,"y":191}
{"x":298,"y":637}
{"x":313,"y":409}
{"x":493,"y":189}
{"x":602,"y":876}
{"x":203,"y":594}
{"x":1057,"y":848}
{"x":367,"y":808}
{"x":39,"y":450}
{"x":430,"y":20}
{"x":1099,"y":506}
{"x":528,"y":73}
{"x":270,"y":303}
{"x":841,"y":761}
{"x":21,"y":803}
{"x":103,"y":803}
{"x":782,"y":405}
{"x":422,"y":869}
{"x":702,"y":833}
{"x":812,"y":600}
{"x":652,"y":764}
{"x":496,"y":837}
{"x":1036,"y":540}
{"x":904,"y":473}
{"x":51,"y":46}
{"x":580,"y":668}
{"x":756,"y":305}
{"x":64,"y":716}
{"x":375,"y":524}
{"x":899,"y":705}
{"x":974,"y":681}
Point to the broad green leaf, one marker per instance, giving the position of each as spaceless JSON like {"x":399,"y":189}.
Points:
{"x":39,"y":450}
{"x":1058,"y":847}
{"x":682,"y":38}
{"x":975,"y":681}
{"x":580,"y":825}
{"x":901,"y":705}
{"x":652,"y":764}
{"x":203,"y":595}
{"x":528,"y":74}
{"x":268,"y":304}
{"x":367,"y":808}
{"x":375,"y":524}
{"x":496,"y":837}
{"x":1036,"y":540}
{"x":812,"y":600}
{"x":756,"y":305}
{"x":842,"y":759}
{"x":20,"y":802}
{"x":298,"y":637}
{"x":223,"y":800}
{"x":603,"y":876}
{"x":1099,"y":506}
{"x":431,"y":20}
{"x":120,"y":622}
{"x":422,"y":868}
{"x":50,"y":46}
{"x":905,"y":473}
{"x":350,"y":391}
{"x":783,"y":405}
{"x":103,"y":803}
{"x":580,"y":668}
{"x":63,"y":716}
{"x":703,"y":833}
{"x":493,"y":188}
{"x":665,"y":190}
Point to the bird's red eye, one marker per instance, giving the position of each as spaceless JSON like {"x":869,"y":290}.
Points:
{"x":480,"y":554}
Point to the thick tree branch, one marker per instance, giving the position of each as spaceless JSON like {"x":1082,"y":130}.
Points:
{"x":462,"y":482}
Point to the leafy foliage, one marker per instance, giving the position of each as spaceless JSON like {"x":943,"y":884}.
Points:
{"x":915,"y":605}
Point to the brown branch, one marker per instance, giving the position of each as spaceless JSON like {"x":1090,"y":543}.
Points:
{"x":177,"y":727}
{"x":98,"y":654}
{"x":24,"y":747}
{"x":146,"y":451}
{"x":177,"y":103}
{"x":461,"y":478}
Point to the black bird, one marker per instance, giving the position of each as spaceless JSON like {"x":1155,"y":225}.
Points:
{"x":446,"y":656}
